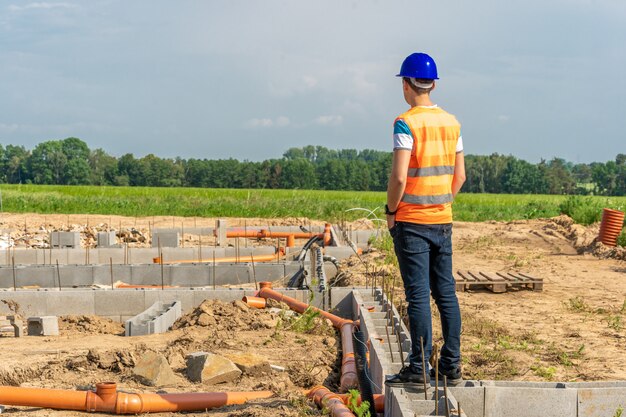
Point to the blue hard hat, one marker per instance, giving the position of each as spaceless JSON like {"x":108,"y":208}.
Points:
{"x":419,"y":65}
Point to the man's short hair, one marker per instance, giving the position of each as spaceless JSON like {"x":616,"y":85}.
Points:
{"x":420,"y":85}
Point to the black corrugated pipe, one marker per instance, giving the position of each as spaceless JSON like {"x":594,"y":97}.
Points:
{"x":362,"y":371}
{"x":307,"y":246}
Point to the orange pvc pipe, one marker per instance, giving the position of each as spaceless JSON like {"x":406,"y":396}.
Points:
{"x":228,"y":259}
{"x":123,"y":285}
{"x":349,"y":379}
{"x":107,"y":399}
{"x":327,"y":236}
{"x":379,"y":401}
{"x":333,"y":402}
{"x":301,"y":307}
{"x":262,"y":234}
{"x":255,"y":302}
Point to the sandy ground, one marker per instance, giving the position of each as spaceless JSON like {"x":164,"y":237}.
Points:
{"x":573,"y":330}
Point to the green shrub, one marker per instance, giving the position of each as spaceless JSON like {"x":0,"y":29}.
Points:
{"x":583,"y":210}
{"x":621,"y":239}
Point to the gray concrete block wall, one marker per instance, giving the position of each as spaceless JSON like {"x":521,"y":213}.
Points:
{"x":531,"y":402}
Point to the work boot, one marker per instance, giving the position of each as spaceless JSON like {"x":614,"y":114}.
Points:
{"x":407,"y":375}
{"x":453,"y":377}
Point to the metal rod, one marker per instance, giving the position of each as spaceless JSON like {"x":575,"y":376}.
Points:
{"x":458,"y":408}
{"x":59,"y":275}
{"x":424,"y":368}
{"x":111,"y":269}
{"x":214,"y":270}
{"x":445,"y":395}
{"x":437,"y":380}
{"x":256,"y":287}
{"x":389,"y":342}
{"x":14,"y":280}
{"x":162,"y":270}
{"x":399,"y":344}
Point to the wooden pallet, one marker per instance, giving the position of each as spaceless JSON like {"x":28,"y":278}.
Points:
{"x":496,"y":282}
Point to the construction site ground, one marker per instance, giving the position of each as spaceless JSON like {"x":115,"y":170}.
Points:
{"x":573,"y":330}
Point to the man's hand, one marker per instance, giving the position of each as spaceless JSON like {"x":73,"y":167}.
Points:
{"x":391,"y":220}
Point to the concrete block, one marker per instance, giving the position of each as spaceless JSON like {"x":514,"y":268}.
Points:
{"x":75,"y":276}
{"x":65,"y":302}
{"x":104,"y":274}
{"x":43,"y":326}
{"x":119,"y":301}
{"x":142,"y":255}
{"x":78,"y":256}
{"x":179,"y":254}
{"x":31,"y":302}
{"x":220,"y":231}
{"x":150,"y":274}
{"x":65,"y":239}
{"x":472,"y":399}
{"x":57,"y":255}
{"x":268,"y":271}
{"x":109,"y":255}
{"x":530,"y":402}
{"x":339,"y":252}
{"x":25,"y":257}
{"x":600,"y":402}
{"x":39,"y":275}
{"x":158,"y":318}
{"x":191,"y":275}
{"x":166,"y":240}
{"x":18,"y":325}
{"x":107,"y":240}
{"x":185,"y":297}
{"x":232,"y":274}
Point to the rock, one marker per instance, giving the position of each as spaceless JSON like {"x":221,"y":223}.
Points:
{"x":205,"y":320}
{"x":250,"y":364}
{"x":241,"y":305}
{"x":210,"y":368}
{"x":152,"y":369}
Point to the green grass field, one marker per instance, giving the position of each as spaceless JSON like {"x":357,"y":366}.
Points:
{"x":314,"y":204}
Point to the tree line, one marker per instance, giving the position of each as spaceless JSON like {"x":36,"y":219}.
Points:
{"x":71,"y":162}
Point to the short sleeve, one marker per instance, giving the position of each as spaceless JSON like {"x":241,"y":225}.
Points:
{"x":459,"y":145}
{"x":402,"y":137}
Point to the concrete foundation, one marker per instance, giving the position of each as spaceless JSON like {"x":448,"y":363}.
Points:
{"x":389,"y":343}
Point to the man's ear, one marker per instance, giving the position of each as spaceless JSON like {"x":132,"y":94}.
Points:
{"x":434,"y":85}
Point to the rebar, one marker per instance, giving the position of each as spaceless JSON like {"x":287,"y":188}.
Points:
{"x":424,"y":368}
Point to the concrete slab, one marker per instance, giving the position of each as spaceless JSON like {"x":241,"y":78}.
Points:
{"x":530,"y":402}
{"x":192,"y":275}
{"x":600,"y":402}
{"x":472,"y":399}
{"x":70,"y":302}
{"x":119,"y":301}
{"x":42,"y":276}
{"x":31,"y":302}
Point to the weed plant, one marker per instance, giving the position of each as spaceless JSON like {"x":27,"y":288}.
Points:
{"x":358,"y":410}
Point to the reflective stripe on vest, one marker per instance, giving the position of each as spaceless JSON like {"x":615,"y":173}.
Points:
{"x":431,"y":171}
{"x":427,"y":199}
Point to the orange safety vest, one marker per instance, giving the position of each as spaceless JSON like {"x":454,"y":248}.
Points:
{"x":427,"y":196}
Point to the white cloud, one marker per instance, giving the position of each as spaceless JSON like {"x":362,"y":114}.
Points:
{"x":503,"y":118}
{"x":41,"y":5}
{"x":280,"y":121}
{"x":329,"y":120}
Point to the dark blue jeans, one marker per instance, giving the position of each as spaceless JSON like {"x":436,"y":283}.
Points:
{"x":425,"y":257}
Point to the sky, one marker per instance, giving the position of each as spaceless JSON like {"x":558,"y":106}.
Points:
{"x":250,"y":79}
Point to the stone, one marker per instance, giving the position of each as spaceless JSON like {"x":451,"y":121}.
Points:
{"x":241,"y":305}
{"x":250,"y":363}
{"x":205,"y":320}
{"x":210,"y":368}
{"x":152,"y":369}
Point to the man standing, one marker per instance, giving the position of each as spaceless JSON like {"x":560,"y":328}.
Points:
{"x":428,"y":170}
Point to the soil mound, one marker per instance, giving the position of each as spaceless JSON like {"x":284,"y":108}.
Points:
{"x":89,"y":325}
{"x":219,"y":315}
{"x":584,"y":238}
